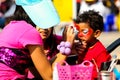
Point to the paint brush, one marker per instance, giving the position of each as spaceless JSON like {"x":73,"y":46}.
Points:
{"x":95,"y":65}
{"x":112,"y":65}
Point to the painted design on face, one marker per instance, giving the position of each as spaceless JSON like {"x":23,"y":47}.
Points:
{"x":86,"y":32}
{"x":76,"y":26}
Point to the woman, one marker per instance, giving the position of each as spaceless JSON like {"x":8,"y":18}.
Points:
{"x":50,"y":41}
{"x":21,"y":45}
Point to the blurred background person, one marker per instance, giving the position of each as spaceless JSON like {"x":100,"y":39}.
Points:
{"x":110,"y":23}
{"x":117,"y":3}
{"x":78,"y":4}
{"x":96,"y":5}
{"x":7,"y":8}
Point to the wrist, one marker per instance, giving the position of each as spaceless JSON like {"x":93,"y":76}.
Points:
{"x":64,"y":47}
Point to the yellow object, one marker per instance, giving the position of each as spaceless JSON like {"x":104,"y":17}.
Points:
{"x":118,"y":21}
{"x":65,"y":9}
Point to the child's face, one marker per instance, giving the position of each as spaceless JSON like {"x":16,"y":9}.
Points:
{"x":85,"y":32}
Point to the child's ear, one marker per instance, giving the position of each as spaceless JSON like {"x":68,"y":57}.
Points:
{"x":97,"y":33}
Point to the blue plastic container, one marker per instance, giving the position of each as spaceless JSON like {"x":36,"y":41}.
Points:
{"x":117,"y":74}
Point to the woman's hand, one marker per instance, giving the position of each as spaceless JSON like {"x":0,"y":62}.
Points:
{"x":70,"y":35}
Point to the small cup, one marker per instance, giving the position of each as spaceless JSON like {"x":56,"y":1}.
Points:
{"x":105,"y":75}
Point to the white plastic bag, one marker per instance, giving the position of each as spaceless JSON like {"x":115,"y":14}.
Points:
{"x":55,"y":73}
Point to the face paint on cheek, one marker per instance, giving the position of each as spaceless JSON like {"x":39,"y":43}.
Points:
{"x":90,"y":31}
{"x":80,"y":34}
{"x":76,"y":26}
{"x":85,"y":33}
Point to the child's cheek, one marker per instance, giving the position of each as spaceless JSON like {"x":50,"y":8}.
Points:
{"x":87,"y":34}
{"x":90,"y":32}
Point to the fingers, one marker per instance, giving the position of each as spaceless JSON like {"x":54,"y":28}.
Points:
{"x":84,"y":44}
{"x":37,"y":28}
{"x":80,"y":47}
{"x":70,"y":34}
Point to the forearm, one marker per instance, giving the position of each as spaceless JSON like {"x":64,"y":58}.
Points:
{"x":41,"y":63}
{"x":69,"y":38}
{"x":43,"y":67}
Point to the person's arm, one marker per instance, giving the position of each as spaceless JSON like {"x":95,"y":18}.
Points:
{"x":70,"y":35}
{"x":40,"y":61}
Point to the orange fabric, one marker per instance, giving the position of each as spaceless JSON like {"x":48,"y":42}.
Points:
{"x":78,"y":1}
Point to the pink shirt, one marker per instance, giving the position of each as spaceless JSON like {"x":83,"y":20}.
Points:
{"x":18,"y":34}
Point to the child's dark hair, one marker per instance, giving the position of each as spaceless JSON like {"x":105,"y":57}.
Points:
{"x":93,"y":18}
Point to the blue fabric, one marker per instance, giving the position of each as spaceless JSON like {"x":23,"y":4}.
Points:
{"x":110,"y":19}
{"x":117,"y":74}
{"x":2,"y":22}
{"x":27,"y":2}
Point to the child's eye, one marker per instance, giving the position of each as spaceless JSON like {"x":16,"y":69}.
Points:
{"x":85,"y":31}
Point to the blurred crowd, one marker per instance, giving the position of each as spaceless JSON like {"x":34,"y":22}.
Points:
{"x":109,"y":9}
{"x":7,"y":8}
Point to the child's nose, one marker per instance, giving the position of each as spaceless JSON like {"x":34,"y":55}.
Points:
{"x":80,"y":34}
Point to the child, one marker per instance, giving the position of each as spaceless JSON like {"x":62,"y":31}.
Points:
{"x":90,"y":25}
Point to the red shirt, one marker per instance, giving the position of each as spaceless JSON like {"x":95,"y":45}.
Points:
{"x":99,"y":53}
